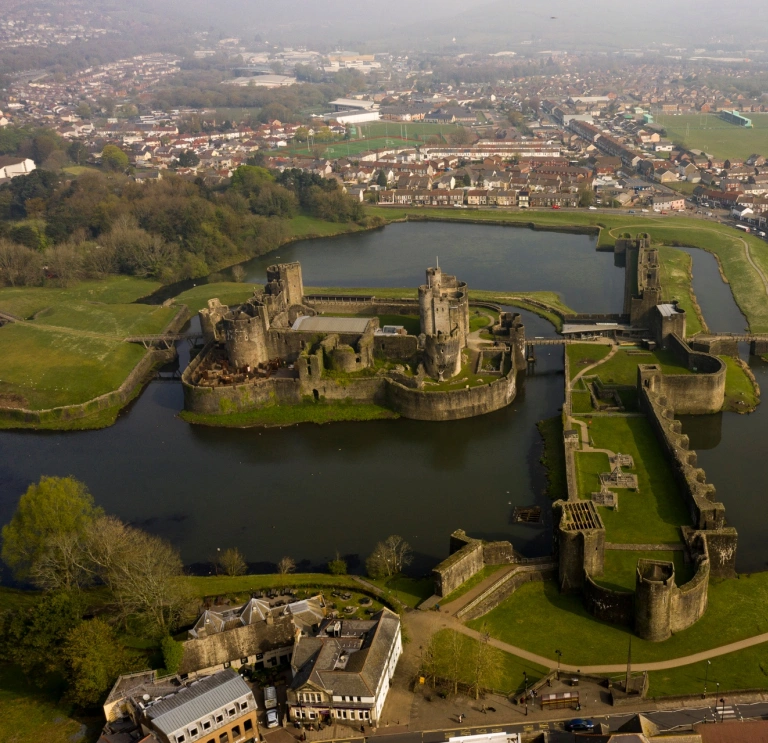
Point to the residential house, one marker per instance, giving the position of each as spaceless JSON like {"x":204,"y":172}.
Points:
{"x":477,"y":197}
{"x":668,"y":203}
{"x":11,"y":167}
{"x":344,"y":672}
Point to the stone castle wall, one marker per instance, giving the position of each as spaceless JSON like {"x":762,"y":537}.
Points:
{"x":694,"y":394}
{"x":617,"y":607}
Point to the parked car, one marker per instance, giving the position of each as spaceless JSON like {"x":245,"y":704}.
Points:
{"x":555,"y":206}
{"x":580,"y":725}
{"x":272,"y":718}
{"x":593,"y":208}
{"x":270,"y":697}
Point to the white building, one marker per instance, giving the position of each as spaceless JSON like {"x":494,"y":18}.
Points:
{"x":344,"y":672}
{"x":10,"y":167}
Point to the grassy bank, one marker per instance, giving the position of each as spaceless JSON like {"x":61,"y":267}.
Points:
{"x":553,"y":457}
{"x":289,"y":415}
{"x":744,"y":669}
{"x":740,"y":393}
{"x":676,"y":283}
{"x":468,"y":585}
{"x":736,"y":611}
{"x":582,"y":355}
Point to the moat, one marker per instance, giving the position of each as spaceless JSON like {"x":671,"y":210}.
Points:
{"x":307,"y":491}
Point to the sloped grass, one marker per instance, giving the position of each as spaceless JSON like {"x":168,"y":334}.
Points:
{"x":227,"y":292}
{"x":676,"y":283}
{"x":47,"y":368}
{"x":582,"y":355}
{"x":26,"y":301}
{"x":621,"y":368}
{"x":540,"y":619}
{"x":119,"y":320}
{"x":740,"y":393}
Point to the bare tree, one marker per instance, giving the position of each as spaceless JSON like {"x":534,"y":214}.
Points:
{"x":286,"y":565}
{"x":231,"y":561}
{"x":238,"y":274}
{"x":430,"y":660}
{"x":454,"y":659}
{"x":389,"y":557}
{"x":484,"y":664}
{"x":19,"y":265}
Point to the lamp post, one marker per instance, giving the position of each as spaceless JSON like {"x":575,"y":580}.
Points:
{"x":559,"y":654}
{"x":722,"y":714}
{"x":525,"y":679}
{"x":706,"y":676}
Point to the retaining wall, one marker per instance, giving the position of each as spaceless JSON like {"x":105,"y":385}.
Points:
{"x":694,"y":394}
{"x":608,"y":605}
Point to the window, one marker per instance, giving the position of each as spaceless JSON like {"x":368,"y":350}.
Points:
{"x":231,"y":711}
{"x":248,"y":725}
{"x":224,"y":738}
{"x":359,"y":699}
{"x":243,"y":661}
{"x":227,"y":664}
{"x":193,"y":732}
{"x":180,"y":739}
{"x":236,"y":731}
{"x":243,"y":705}
{"x":207,"y":725}
{"x":219,"y":718}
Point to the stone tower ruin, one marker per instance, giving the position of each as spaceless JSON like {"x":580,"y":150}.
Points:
{"x":444,"y":316}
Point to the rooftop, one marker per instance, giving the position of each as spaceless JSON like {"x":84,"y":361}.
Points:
{"x":326,"y":324}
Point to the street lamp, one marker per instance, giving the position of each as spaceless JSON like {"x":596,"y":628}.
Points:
{"x":559,"y":654}
{"x":706,"y":676}
{"x":722,"y":714}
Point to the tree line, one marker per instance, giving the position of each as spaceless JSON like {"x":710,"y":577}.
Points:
{"x":57,"y":228}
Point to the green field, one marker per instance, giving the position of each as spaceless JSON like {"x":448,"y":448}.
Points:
{"x":353,"y":147}
{"x":740,"y":394}
{"x":538,"y":618}
{"x":582,"y":355}
{"x":42,"y":368}
{"x":655,"y":513}
{"x":621,"y":368}
{"x":411,"y":130}
{"x":716,"y":137}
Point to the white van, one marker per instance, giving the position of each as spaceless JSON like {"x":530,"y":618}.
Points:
{"x":270,"y":697}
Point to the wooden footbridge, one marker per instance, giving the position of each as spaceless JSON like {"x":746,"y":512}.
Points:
{"x":163,"y":340}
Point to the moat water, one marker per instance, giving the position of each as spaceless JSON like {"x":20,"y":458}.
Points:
{"x":307,"y":491}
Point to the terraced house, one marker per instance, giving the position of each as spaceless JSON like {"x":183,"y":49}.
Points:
{"x":343,"y":673}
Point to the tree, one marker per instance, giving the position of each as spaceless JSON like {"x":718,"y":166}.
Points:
{"x":454,"y":658}
{"x":430,"y":660}
{"x":586,"y":197}
{"x":460,"y":136}
{"x":286,"y":565}
{"x":173,"y":653}
{"x":83,"y":110}
{"x":389,"y":557}
{"x":93,"y":658}
{"x":31,"y":638}
{"x":381,"y":179}
{"x":231,"y":561}
{"x":113,"y":158}
{"x":485,"y":664}
{"x":48,"y":525}
{"x":466,"y":180}
{"x":337,"y":566}
{"x":188,"y":159}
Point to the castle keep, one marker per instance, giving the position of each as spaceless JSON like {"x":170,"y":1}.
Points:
{"x":282,"y":347}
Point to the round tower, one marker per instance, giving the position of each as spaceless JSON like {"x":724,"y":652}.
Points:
{"x":245,"y":340}
{"x":654,"y":586}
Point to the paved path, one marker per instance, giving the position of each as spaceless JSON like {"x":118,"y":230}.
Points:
{"x":754,"y":265}
{"x":457,"y":604}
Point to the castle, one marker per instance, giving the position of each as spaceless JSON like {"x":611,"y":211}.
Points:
{"x":283,"y":347}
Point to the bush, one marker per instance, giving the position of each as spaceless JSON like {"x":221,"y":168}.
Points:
{"x":173,"y":652}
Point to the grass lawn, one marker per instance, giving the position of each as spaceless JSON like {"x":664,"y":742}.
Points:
{"x":621,"y":568}
{"x":676,"y":284}
{"x":46,"y":368}
{"x":553,"y":458}
{"x":589,"y":465}
{"x":25,"y":301}
{"x":581,"y":403}
{"x":744,"y":669}
{"x":414,"y":129}
{"x":31,"y":714}
{"x":621,"y":368}
{"x":468,"y":585}
{"x":655,"y":513}
{"x":228,"y":292}
{"x":710,"y":133}
{"x":740,"y":394}
{"x":289,"y":415}
{"x":725,"y":242}
{"x":582,"y":355}
{"x":504,"y":671}
{"x":119,"y":320}
{"x":305,"y":226}
{"x":538,"y":618}
{"x":411,"y":591}
{"x":355,"y":146}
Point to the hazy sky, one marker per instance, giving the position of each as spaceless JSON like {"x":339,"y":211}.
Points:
{"x":689,"y":23}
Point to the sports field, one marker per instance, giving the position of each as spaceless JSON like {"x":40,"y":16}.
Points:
{"x":354,"y":147}
{"x":710,"y":133}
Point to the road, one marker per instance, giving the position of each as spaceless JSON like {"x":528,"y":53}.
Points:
{"x":665,"y":720}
